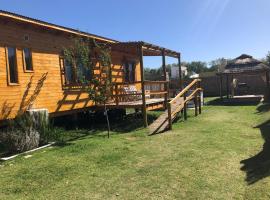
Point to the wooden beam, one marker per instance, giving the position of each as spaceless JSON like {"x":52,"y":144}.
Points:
{"x":144,"y":111}
{"x":165,"y":78}
{"x":154,"y":82}
{"x":180,"y":72}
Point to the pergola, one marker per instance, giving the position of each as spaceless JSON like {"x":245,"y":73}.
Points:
{"x":142,"y":49}
{"x":244,"y":65}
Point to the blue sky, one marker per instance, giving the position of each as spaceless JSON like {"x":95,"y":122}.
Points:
{"x":200,"y":29}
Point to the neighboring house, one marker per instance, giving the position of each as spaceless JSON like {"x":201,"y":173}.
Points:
{"x":33,"y":74}
{"x":175,"y":72}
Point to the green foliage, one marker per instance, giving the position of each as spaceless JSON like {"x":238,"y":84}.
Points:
{"x":153,"y":74}
{"x":27,"y":131}
{"x":218,"y":65}
{"x":198,"y":159}
{"x":81,"y":55}
{"x":197,"y":67}
{"x":267,"y":59}
{"x":86,"y":54}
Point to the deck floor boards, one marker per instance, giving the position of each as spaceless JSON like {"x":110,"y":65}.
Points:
{"x":135,"y":104}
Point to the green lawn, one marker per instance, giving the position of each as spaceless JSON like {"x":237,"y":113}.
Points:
{"x":218,"y":155}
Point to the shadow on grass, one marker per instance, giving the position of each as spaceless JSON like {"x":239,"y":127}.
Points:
{"x":67,"y":129}
{"x":220,"y":102}
{"x":258,"y":166}
{"x":88,"y":125}
{"x":3,"y":151}
{"x":262,"y":108}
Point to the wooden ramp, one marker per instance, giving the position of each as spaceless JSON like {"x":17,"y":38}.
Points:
{"x":178,"y":104}
{"x":161,"y":124}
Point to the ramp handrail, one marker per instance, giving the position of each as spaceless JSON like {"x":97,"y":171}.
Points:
{"x":183,"y":94}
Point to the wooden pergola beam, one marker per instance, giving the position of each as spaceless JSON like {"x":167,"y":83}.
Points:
{"x":144,"y":110}
{"x":149,"y":49}
{"x":180,"y":72}
{"x":166,"y":87}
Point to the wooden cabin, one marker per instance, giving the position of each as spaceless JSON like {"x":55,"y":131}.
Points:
{"x":34,"y":76}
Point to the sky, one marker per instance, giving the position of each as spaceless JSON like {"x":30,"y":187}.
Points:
{"x":202,"y":30}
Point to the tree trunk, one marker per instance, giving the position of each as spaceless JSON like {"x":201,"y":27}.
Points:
{"x":107,"y":118}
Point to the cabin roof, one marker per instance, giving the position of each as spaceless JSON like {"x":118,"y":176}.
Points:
{"x":52,"y":26}
{"x":245,"y":64}
{"x":131,"y":47}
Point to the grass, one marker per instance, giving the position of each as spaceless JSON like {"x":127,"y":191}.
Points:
{"x":218,"y":155}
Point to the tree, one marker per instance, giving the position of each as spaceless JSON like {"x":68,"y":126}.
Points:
{"x":84,"y":55}
{"x":267,"y":59}
{"x":197,"y":67}
{"x":217,"y":65}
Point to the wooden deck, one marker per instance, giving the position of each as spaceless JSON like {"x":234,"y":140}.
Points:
{"x":151,"y":104}
{"x":244,"y":98}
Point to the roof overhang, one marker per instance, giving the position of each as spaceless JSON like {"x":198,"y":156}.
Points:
{"x":148,"y":49}
{"x":42,"y":24}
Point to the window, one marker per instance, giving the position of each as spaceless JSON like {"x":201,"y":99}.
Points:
{"x":83,"y":74}
{"x":27,"y":56}
{"x":68,"y":73}
{"x":78,"y":75}
{"x":129,"y":72}
{"x":12,"y":65}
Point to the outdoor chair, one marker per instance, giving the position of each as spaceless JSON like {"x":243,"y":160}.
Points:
{"x":136,"y":94}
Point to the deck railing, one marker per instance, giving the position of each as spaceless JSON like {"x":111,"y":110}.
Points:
{"x":121,"y":96}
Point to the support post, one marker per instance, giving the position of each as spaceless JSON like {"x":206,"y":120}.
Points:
{"x":116,"y":95}
{"x":220,"y":87}
{"x":166,"y":88}
{"x":180,"y":72}
{"x":144,"y":111}
{"x":227,"y":86}
{"x":170,"y":116}
{"x":196,"y":104}
{"x":185,"y":107}
{"x":200,"y":100}
{"x":267,"y":97}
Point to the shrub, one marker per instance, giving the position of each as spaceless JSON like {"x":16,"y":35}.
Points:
{"x":27,"y":131}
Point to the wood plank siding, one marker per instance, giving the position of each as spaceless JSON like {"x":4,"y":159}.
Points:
{"x":43,"y":87}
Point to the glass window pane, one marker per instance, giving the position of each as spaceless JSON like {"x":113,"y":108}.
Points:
{"x":13,"y":76}
{"x":28,"y":59}
{"x":68,"y":73}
